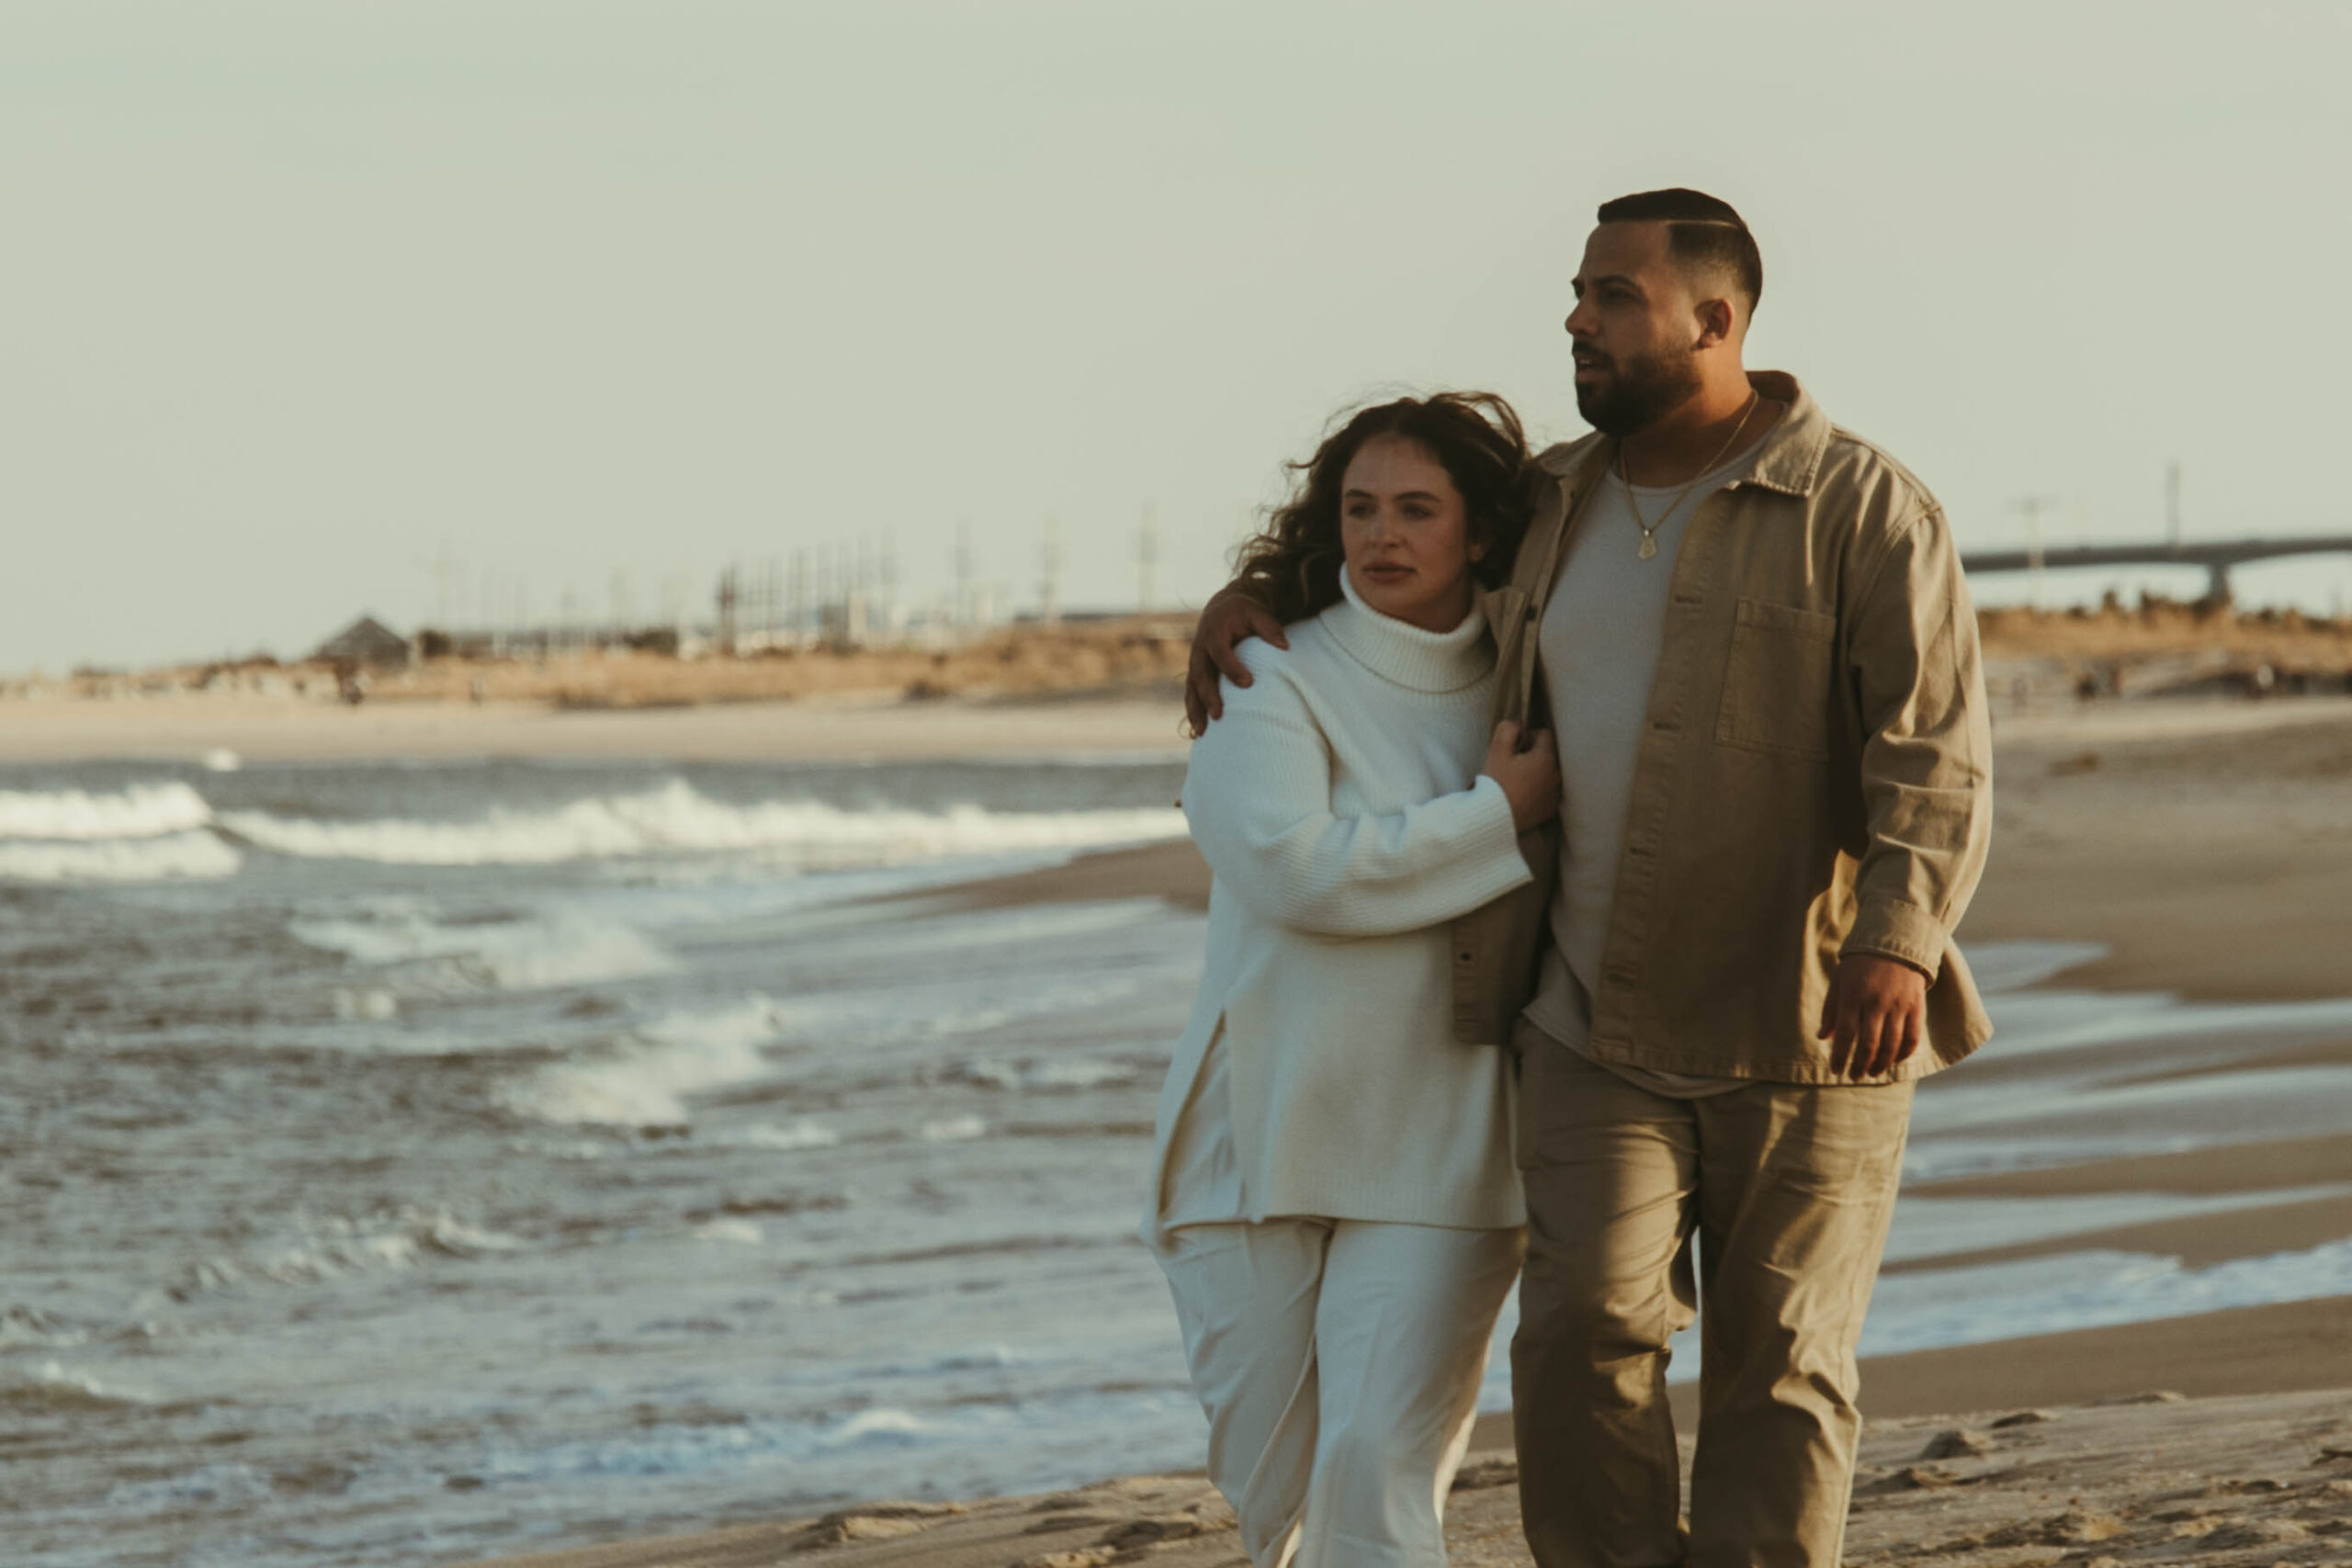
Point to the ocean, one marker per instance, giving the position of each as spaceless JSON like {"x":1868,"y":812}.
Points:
{"x":410,"y":1163}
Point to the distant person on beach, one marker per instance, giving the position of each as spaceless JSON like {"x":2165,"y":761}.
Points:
{"x":1334,"y":1201}
{"x":1749,"y":629}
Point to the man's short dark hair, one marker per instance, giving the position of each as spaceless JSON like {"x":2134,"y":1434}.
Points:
{"x":1702,"y":231}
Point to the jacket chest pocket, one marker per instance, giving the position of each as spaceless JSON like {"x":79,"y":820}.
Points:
{"x":1779,"y":684}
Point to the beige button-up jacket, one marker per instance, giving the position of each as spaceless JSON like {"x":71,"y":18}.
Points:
{"x":1815,"y":776}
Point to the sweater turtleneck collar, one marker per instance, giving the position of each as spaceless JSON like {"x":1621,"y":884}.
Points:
{"x":1400,"y":652}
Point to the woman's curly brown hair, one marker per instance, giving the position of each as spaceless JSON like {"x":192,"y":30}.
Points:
{"x":1293,"y":565}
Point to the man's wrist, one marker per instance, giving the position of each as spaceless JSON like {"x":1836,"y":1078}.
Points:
{"x":1916,"y":967}
{"x":1905,"y":932}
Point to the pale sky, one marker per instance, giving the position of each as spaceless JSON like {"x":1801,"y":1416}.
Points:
{"x":302,"y":296}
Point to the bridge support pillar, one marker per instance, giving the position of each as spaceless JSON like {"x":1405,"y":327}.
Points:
{"x":2217,"y":586}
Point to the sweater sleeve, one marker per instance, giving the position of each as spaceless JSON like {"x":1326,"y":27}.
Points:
{"x":1257,"y":795}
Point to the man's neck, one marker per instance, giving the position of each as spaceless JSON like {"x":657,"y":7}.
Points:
{"x":1723,"y":419}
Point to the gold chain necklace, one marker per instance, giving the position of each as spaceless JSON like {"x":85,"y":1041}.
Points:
{"x":1649,"y":550}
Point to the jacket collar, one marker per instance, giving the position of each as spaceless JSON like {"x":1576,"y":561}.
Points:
{"x":1788,"y":461}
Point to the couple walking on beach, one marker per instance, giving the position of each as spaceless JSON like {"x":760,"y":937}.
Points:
{"x":1587,"y":833}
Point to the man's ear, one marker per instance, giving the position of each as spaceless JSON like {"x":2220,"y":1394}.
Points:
{"x":1717,"y":320}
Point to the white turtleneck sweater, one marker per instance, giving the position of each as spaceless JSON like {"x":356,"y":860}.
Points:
{"x":1339,"y":804}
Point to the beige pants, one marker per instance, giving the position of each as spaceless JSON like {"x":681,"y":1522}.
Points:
{"x":1789,"y":1190}
{"x":1339,"y":1363}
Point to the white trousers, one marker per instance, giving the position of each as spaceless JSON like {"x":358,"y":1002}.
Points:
{"x":1339,"y":1363}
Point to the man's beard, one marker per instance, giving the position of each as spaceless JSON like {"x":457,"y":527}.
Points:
{"x":1645,"y":390}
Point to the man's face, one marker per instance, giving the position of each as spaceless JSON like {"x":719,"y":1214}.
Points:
{"x":1634,"y":330}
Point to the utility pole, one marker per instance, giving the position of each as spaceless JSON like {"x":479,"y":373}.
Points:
{"x":2172,"y":504}
{"x":1049,"y":585}
{"x":727,"y":595}
{"x":443,"y":569}
{"x":1147,"y":558}
{"x":801,"y":637}
{"x":2032,"y":507}
{"x":967,"y":611}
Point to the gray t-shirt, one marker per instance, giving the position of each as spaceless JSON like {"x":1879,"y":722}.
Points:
{"x":1600,"y":641}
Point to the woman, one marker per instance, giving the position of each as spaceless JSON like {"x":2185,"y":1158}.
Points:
{"x":1335,"y":1202}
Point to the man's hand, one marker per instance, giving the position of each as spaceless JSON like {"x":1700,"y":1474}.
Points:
{"x":1229,"y":618}
{"x":1872,"y":1015}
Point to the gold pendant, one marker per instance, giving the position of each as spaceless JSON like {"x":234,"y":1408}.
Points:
{"x":1649,"y":548}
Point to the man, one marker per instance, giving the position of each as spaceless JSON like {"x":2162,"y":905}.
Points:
{"x":1749,"y":630}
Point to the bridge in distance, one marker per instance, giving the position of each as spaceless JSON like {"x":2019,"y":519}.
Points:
{"x":2216,"y":558}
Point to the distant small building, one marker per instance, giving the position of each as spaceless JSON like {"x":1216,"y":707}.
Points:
{"x":367,"y":642}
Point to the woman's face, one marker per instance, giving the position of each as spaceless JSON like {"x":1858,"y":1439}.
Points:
{"x":1407,"y":533}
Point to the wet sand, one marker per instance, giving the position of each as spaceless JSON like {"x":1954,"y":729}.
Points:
{"x":2214,"y":859}
{"x":2218,"y":1482}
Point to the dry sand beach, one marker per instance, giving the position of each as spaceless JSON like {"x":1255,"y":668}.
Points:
{"x":2202,"y":850}
{"x":2208,"y":850}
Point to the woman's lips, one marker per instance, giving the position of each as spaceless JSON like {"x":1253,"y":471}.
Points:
{"x":1388,"y":573}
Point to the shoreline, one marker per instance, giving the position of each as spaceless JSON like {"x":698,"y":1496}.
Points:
{"x":1990,"y":1483}
{"x":2208,"y":855}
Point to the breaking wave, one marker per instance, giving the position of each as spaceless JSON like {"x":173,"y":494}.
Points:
{"x":54,"y":1387}
{"x":645,"y":1083}
{"x":142,"y":811}
{"x":168,"y":831}
{"x":563,"y":948}
{"x":175,"y":857}
{"x":339,"y":1245}
{"x":676,"y":819}
{"x":145,"y":833}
